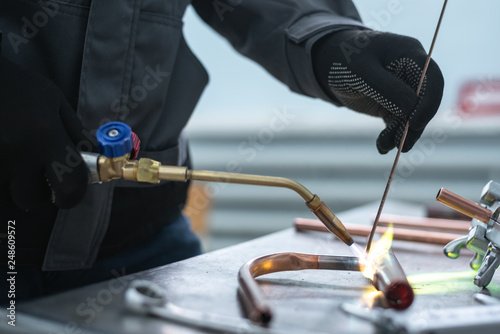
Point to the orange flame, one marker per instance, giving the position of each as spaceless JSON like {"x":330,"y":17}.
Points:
{"x":381,"y":246}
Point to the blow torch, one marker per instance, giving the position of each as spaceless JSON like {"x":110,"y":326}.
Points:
{"x":118,"y":146}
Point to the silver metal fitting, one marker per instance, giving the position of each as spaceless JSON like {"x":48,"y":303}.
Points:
{"x":92,"y":162}
{"x":484,"y":234}
{"x":491,"y":262}
{"x":476,"y":240}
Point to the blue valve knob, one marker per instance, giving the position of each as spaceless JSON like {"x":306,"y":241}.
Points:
{"x":114,"y":139}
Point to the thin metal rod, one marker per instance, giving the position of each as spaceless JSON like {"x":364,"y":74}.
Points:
{"x":428,"y":60}
{"x":405,"y":133}
{"x":387,"y":186}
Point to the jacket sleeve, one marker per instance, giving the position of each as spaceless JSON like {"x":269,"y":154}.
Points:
{"x":279,"y":34}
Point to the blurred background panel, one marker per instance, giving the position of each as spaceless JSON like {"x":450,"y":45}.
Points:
{"x":249,"y":122}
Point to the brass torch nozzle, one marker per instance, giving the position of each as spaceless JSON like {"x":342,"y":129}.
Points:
{"x":312,"y":201}
{"x":151,"y":171}
{"x":332,"y":223}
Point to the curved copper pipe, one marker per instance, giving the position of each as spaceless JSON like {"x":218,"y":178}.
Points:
{"x":389,"y":278}
{"x":254,"y":302}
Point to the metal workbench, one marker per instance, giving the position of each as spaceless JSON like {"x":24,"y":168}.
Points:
{"x":302,"y":300}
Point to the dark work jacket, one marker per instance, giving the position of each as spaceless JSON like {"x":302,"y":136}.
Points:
{"x":126,"y":60}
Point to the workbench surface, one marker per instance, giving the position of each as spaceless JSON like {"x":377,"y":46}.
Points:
{"x":301,"y":300}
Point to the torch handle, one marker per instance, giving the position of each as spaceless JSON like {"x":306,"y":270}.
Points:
{"x":464,"y":205}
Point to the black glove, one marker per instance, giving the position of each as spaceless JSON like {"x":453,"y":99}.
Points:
{"x":378,"y":74}
{"x":39,"y":133}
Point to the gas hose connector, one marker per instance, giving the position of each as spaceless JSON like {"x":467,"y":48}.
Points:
{"x":142,"y":170}
{"x":118,"y":147}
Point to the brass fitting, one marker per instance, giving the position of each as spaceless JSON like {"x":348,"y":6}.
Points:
{"x":142,"y":170}
{"x":111,"y":168}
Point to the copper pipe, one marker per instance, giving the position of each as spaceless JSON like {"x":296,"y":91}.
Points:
{"x":464,"y":205}
{"x":438,"y":238}
{"x":448,"y":225}
{"x":254,"y":302}
{"x":390,"y":279}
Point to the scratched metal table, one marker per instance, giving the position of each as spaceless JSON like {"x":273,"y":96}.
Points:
{"x":302,"y":300}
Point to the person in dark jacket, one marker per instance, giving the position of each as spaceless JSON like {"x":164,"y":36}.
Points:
{"x":68,"y":67}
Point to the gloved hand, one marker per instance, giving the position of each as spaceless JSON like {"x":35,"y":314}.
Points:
{"x":378,"y":73}
{"x":39,"y":132}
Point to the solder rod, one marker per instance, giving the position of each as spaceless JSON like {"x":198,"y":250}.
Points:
{"x":464,"y":205}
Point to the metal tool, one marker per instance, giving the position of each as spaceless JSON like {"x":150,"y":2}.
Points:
{"x":114,"y":162}
{"x":486,"y":299}
{"x":461,"y":320}
{"x":147,"y":298}
{"x":388,"y":278}
{"x":405,"y":133}
{"x":484,"y":233}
